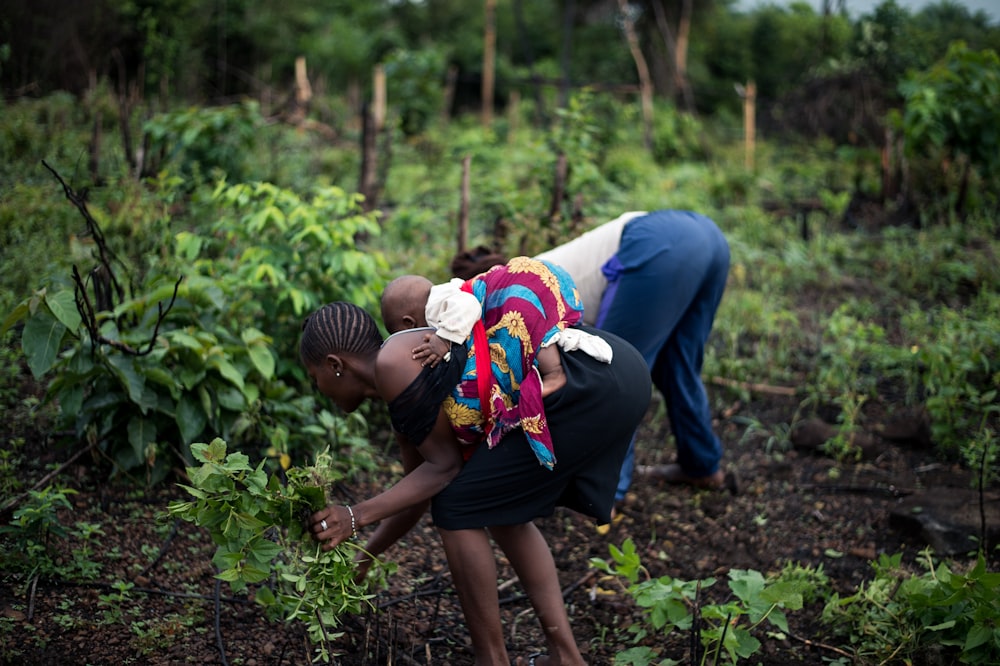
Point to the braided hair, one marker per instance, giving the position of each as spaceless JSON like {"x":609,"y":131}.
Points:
{"x":338,"y":328}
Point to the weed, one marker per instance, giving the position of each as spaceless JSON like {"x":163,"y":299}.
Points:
{"x":726,"y":629}
{"x":898,"y":615}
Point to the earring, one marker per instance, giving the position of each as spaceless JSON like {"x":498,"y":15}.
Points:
{"x":338,"y":374}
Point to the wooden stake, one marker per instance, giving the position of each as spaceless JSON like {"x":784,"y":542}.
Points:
{"x":749,"y":123}
{"x":378,"y":98}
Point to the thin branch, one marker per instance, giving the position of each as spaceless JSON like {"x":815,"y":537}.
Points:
{"x":106,"y":256}
{"x":218,"y":628}
{"x":163,"y":548}
{"x":89,"y":317}
{"x":152,"y":591}
{"x":824,"y":646}
{"x":754,"y":388}
{"x":13,"y":501}
{"x":31,"y":598}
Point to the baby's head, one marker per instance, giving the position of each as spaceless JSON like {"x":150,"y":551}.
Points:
{"x":404,"y":303}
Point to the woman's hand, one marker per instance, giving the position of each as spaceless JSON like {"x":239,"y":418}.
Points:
{"x":334,"y":525}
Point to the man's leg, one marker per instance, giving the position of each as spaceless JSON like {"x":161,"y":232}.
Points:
{"x":678,"y":367}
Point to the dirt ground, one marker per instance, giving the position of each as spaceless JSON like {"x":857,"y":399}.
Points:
{"x":791,"y":506}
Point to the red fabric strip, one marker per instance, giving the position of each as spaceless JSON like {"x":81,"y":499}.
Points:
{"x":484,"y":374}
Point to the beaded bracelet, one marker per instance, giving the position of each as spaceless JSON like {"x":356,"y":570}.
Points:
{"x":354,"y":525}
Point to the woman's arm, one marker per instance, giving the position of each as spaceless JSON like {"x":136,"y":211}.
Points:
{"x":427,"y":470}
{"x":393,"y":528}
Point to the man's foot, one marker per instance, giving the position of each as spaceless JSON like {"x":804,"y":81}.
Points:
{"x":672,"y":473}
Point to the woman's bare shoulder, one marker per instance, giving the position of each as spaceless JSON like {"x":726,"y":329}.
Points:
{"x":395,"y":368}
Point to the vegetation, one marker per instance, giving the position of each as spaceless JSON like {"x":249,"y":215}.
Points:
{"x":258,"y":524}
{"x":161,"y":242}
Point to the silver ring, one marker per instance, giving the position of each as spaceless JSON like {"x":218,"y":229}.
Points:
{"x":322,"y":524}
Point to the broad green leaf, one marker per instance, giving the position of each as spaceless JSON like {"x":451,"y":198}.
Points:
{"x":41,"y":339}
{"x":16,"y":315}
{"x":191,"y":419}
{"x":262,"y":359}
{"x":185,"y":340}
{"x":71,"y":399}
{"x":230,"y":398}
{"x":141,"y":431}
{"x":264,"y":551}
{"x":229,"y":371}
{"x":161,"y":376}
{"x":133,"y":381}
{"x":215,"y":452}
{"x":188,"y":246}
{"x":978,"y":635}
{"x":63,"y":306}
{"x":252,"y":574}
{"x":229,"y":575}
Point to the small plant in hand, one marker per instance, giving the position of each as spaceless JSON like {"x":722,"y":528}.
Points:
{"x":259,"y":526}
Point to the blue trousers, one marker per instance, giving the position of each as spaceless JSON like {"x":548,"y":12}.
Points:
{"x":665,"y":286}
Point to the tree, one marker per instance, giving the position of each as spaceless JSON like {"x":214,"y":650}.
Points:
{"x":952,"y":112}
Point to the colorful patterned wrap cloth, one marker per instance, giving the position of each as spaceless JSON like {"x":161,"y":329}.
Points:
{"x":525,"y":302}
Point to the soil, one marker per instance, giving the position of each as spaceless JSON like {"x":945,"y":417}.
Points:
{"x":791,"y":506}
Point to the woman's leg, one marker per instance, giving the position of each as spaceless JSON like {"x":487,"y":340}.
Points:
{"x":531,"y":558}
{"x":474,"y":572}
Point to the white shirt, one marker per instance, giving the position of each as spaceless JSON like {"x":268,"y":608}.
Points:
{"x":452,"y":311}
{"x":583,"y":257}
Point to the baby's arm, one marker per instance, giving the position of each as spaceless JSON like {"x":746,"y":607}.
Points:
{"x":550,"y":369}
{"x":433,"y":350}
{"x":452,"y":312}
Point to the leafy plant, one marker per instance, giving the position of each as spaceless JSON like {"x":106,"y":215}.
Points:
{"x":413,"y":79}
{"x":200,"y":140}
{"x":845,"y":375}
{"x":897,"y":615}
{"x":952,"y":112}
{"x":34,"y":542}
{"x":184,"y":359}
{"x":723,"y":629}
{"x":257,"y":524}
{"x":282,"y":254}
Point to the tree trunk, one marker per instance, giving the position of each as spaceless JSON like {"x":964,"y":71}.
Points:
{"x":95,"y":149}
{"x":489,"y":61}
{"x":566,"y":55}
{"x":683,"y":38}
{"x":368,"y":158}
{"x":677,"y":51}
{"x":645,"y":82}
{"x":449,"y":92}
{"x":529,"y":57}
{"x":463,"y":206}
{"x":558,"y":193}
